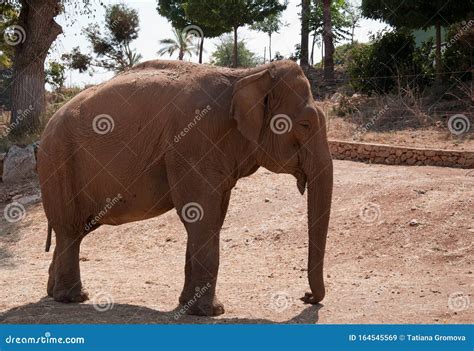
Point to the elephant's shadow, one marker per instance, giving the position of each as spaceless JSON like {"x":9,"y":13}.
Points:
{"x":47,"y":311}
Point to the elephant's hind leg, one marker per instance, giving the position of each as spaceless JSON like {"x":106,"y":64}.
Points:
{"x":64,"y":283}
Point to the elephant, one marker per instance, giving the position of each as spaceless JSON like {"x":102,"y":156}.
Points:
{"x":178,"y":135}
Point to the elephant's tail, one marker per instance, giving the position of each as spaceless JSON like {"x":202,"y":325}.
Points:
{"x":48,"y":238}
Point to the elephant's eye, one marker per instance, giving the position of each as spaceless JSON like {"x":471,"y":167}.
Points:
{"x":305,"y":124}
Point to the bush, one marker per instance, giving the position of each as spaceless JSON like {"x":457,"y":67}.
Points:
{"x":223,"y":55}
{"x":392,"y":60}
{"x":457,"y":52}
{"x":343,"y":53}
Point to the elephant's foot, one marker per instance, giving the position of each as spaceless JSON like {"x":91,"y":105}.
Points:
{"x":64,"y":294}
{"x":201,"y":306}
{"x":74,"y":294}
{"x":311,"y":298}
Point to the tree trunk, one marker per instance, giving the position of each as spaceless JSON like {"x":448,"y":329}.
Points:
{"x":328,"y":43}
{"x":438,"y":63}
{"x":235,"y":59}
{"x":38,"y":31}
{"x":322,"y":50}
{"x":181,"y":54}
{"x":312,"y":49}
{"x":304,"y":32}
{"x":270,"y":46}
{"x":201,"y":48}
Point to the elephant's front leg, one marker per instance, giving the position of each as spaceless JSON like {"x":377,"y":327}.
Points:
{"x":203,"y":218}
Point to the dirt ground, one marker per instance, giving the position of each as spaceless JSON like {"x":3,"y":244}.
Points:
{"x":400,"y":250}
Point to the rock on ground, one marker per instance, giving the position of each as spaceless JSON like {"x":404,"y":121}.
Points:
{"x":19,"y":164}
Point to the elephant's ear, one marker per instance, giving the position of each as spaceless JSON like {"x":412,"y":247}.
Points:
{"x":248,"y":103}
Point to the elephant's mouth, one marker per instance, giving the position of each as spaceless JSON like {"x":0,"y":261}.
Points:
{"x":300,"y":181}
{"x":300,"y":176}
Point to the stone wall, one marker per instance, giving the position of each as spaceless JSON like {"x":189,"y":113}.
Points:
{"x":399,"y":155}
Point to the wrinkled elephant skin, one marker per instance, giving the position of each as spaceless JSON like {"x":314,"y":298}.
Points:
{"x":179,"y":135}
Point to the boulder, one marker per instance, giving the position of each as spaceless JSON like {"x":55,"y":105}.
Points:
{"x":19,"y":164}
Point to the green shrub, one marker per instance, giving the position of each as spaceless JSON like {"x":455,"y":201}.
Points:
{"x":458,"y":51}
{"x":391,"y":60}
{"x":343,"y":53}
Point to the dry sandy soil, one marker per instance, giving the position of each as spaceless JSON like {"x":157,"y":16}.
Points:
{"x":400,"y":250}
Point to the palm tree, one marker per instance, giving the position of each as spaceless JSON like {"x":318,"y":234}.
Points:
{"x":182,"y":42}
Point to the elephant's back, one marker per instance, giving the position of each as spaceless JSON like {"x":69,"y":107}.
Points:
{"x":140,"y":108}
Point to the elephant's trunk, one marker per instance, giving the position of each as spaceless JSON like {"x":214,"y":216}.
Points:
{"x":319,"y":205}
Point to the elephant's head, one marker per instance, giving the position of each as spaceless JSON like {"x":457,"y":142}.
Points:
{"x":275,"y":111}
